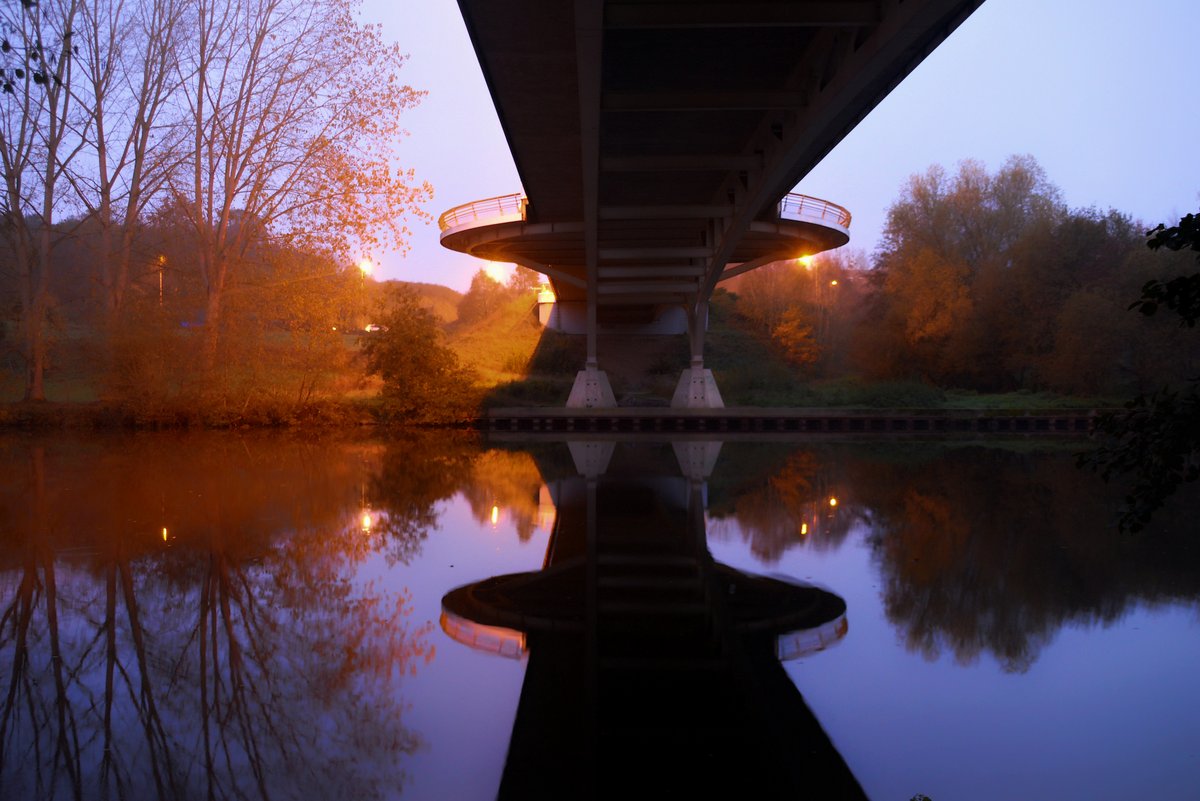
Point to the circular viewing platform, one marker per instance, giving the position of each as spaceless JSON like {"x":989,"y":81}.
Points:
{"x":646,"y":254}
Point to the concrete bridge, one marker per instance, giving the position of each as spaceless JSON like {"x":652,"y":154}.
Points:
{"x":657,"y":143}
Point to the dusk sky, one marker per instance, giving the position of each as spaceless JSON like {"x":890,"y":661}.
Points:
{"x":1100,"y":92}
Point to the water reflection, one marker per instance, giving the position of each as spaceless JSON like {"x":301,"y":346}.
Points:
{"x":991,"y":551}
{"x":231,"y":616}
{"x":979,"y":550}
{"x":653,"y":670}
{"x":233,"y":657}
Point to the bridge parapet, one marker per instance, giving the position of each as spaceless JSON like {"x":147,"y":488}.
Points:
{"x":489,"y":211}
{"x":512,"y":208}
{"x":803,"y":208}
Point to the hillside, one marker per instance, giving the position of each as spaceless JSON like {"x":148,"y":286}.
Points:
{"x":441,"y":300}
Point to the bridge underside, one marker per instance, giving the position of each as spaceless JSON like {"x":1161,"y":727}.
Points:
{"x":655,"y":140}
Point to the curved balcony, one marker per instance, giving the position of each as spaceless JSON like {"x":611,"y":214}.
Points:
{"x":490,"y":211}
{"x":803,"y":208}
{"x":645,"y":253}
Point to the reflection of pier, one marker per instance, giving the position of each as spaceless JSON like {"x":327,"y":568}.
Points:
{"x":653,"y":671}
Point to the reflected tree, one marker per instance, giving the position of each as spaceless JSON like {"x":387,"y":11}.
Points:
{"x":418,"y":470}
{"x":980,"y":551}
{"x":506,"y":480}
{"x":789,"y":507}
{"x":233,"y":654}
{"x":987,"y":551}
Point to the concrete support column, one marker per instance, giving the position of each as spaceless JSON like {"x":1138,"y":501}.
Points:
{"x":591,"y":389}
{"x":697,"y":389}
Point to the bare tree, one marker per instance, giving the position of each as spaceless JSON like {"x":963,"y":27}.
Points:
{"x":37,"y":56}
{"x":127,"y":76}
{"x":294,"y":109}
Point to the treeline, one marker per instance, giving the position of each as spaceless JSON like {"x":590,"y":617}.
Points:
{"x":983,"y":281}
{"x":181,"y":164}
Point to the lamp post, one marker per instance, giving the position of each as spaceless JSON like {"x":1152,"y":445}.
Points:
{"x":162,"y":263}
{"x":365,"y":268}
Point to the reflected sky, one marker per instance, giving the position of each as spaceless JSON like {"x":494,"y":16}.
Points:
{"x":258,"y":616}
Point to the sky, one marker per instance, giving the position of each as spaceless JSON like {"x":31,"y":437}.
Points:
{"x":1100,"y":92}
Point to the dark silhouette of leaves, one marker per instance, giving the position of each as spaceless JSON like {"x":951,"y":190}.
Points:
{"x":1156,"y":440}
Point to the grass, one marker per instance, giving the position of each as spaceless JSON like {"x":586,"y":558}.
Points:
{"x":1024,"y":399}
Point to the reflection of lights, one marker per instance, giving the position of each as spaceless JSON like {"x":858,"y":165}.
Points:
{"x":806,"y":262}
{"x":495,"y":515}
{"x":804,"y":529}
{"x":833,"y":501}
{"x":833,"y":282}
{"x":164,"y":533}
{"x":366,"y":522}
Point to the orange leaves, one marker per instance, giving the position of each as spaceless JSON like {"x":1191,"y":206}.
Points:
{"x":933,"y":295}
{"x":796,"y":337}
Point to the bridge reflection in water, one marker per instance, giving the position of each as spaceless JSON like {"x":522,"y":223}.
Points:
{"x":653,"y":670}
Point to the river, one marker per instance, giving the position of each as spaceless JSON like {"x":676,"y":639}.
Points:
{"x":438,"y":616}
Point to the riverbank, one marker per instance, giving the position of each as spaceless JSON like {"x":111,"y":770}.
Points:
{"x":108,"y":414}
{"x":996,"y":417}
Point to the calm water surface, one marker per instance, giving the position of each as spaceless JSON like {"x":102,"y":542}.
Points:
{"x":266,"y":616}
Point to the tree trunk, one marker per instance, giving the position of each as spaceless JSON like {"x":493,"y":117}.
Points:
{"x":212,"y":316}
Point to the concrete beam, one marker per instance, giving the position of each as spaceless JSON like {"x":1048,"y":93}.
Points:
{"x":701,"y":101}
{"x":715,"y":162}
{"x":741,"y":15}
{"x":652,"y":271}
{"x":663,"y":252}
{"x":700,"y":212}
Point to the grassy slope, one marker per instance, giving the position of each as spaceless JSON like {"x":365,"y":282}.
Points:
{"x":441,"y":300}
{"x":500,"y":345}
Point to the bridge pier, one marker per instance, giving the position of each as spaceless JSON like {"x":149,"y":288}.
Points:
{"x":591,"y":390}
{"x":697,"y":389}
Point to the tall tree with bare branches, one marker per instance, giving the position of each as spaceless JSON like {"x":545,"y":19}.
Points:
{"x":294,"y":109}
{"x":126,"y":79}
{"x":37,"y":57}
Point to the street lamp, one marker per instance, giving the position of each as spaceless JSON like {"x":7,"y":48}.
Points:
{"x":162,"y":262}
{"x":365,"y":268}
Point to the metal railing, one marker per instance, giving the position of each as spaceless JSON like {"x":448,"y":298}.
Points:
{"x":812,"y":209}
{"x":481,"y":210}
{"x":793,"y":207}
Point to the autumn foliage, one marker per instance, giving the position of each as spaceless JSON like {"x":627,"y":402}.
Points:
{"x":983,"y":281}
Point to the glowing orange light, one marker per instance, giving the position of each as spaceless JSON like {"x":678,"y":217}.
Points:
{"x":495,"y":515}
{"x":366,"y":267}
{"x":806,"y":261}
{"x":804,"y":529}
{"x":833,"y":282}
{"x":833,"y":501}
{"x":366,"y":522}
{"x":497,"y":271}
{"x":164,"y":533}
